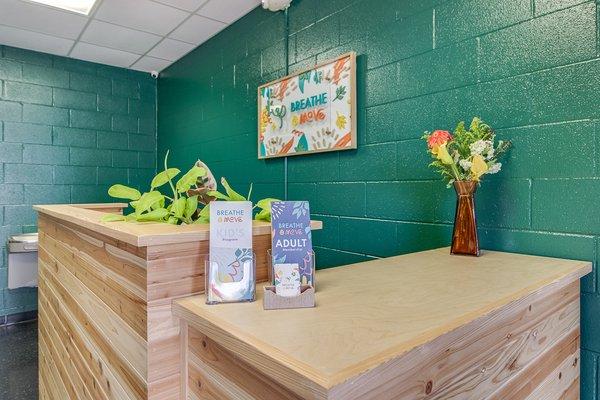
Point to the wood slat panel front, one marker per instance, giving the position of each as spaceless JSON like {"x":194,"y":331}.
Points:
{"x":105,"y":312}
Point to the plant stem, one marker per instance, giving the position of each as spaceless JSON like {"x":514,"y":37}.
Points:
{"x":170,"y":181}
{"x":455,"y":171}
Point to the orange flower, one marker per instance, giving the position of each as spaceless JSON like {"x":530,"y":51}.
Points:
{"x":438,"y":138}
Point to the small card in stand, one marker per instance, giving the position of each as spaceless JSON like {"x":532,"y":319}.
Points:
{"x":230,"y":271}
{"x":287,"y":280}
{"x":291,"y":237}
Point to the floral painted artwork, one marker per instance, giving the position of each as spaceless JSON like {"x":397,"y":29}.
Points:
{"x":309,"y":112}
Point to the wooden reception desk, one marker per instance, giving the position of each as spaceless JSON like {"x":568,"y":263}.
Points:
{"x":420,"y":326}
{"x":106,"y":330}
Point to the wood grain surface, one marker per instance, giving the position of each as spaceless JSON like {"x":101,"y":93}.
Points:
{"x":468,"y":325}
{"x":106,"y":326}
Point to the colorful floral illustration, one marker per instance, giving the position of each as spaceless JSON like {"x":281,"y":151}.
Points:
{"x":311,"y":111}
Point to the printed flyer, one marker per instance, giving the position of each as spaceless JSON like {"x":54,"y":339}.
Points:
{"x":231,"y":272}
{"x":291,"y":237}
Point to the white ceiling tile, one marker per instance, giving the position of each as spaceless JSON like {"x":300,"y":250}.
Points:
{"x":118,"y":37}
{"x":103,"y":55}
{"x":149,"y":64}
{"x":228,"y":10}
{"x":171,"y":50}
{"x":39,"y":18}
{"x":34,"y":41}
{"x":187,"y":5}
{"x":143,"y":15}
{"x":197,"y":29}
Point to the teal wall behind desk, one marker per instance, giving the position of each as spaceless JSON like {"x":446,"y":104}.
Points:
{"x":530,"y":68}
{"x":68,"y":130}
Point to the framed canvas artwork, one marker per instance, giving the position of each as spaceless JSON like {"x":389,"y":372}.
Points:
{"x":311,"y":111}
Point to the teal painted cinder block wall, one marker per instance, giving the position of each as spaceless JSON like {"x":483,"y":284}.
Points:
{"x":530,"y":68}
{"x":68,"y":130}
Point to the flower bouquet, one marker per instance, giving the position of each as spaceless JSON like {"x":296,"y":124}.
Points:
{"x":463,"y":158}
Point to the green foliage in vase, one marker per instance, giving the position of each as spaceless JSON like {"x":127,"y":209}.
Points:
{"x":179,"y":207}
{"x":466,"y":154}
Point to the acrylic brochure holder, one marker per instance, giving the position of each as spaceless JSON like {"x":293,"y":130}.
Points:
{"x":222,"y":289}
{"x":306,"y":298}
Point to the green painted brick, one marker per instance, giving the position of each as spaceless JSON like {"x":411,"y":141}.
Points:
{"x":555,"y":95}
{"x":329,"y":236}
{"x":566,"y":205}
{"x":413,"y":161}
{"x":110,"y":175}
{"x":19,"y":215}
{"x":10,"y":70}
{"x":303,"y":191}
{"x":11,"y":152}
{"x":327,"y":258}
{"x":45,"y":154}
{"x":556,"y":39}
{"x":124,"y":159}
{"x":125,"y":123}
{"x":411,"y":236}
{"x":321,"y":36}
{"x":45,"y":76}
{"x":73,"y":137}
{"x":147,"y":159}
{"x":47,"y":194}
{"x":140,"y":177}
{"x":482,"y":15}
{"x":113,"y":140}
{"x":17,"y":132}
{"x":11,"y":111}
{"x":369,"y":163}
{"x":589,"y":375}
{"x":74,"y":99}
{"x":91,"y":157}
{"x":74,"y":175}
{"x":28,"y":93}
{"x":546,"y":6}
{"x":141,"y":142}
{"x":27,"y":173}
{"x":573,"y":143}
{"x":45,"y":115}
{"x":347,"y":199}
{"x":383,"y":77}
{"x":11,"y":194}
{"x":361,"y":18}
{"x":125,"y":88}
{"x":401,"y":39}
{"x":90,"y":120}
{"x":402,"y":201}
{"x":27,"y":56}
{"x":73,"y":65}
{"x":365,"y":236}
{"x":20,"y":300}
{"x":113,"y":104}
{"x":90,"y":83}
{"x":590,"y":332}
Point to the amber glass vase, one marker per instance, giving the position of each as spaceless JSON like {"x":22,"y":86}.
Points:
{"x":464,"y":237}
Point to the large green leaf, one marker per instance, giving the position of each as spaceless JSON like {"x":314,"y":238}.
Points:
{"x":189,"y":178}
{"x":178,"y":207}
{"x":163,"y":177}
{"x":124,"y":192}
{"x":265,"y":205}
{"x":113,"y":218}
{"x":233,"y":195}
{"x":147,"y":201}
{"x":191,"y":205}
{"x":218,"y":195}
{"x":204,"y":216}
{"x":156,"y":215}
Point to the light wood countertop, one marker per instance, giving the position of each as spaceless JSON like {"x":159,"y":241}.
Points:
{"x":140,"y":234}
{"x":372,"y":312}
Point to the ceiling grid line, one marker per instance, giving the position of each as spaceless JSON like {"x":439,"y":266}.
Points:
{"x":145,"y":35}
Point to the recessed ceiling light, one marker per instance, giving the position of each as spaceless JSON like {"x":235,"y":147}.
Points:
{"x":78,"y":6}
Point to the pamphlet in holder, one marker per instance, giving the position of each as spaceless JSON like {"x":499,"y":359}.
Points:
{"x":306,"y":297}
{"x":222,"y":288}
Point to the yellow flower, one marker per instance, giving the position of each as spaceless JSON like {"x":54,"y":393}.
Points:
{"x":295,"y":121}
{"x":341,"y":121}
{"x":479,"y":167}
{"x":442,"y":154}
